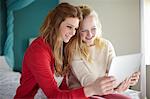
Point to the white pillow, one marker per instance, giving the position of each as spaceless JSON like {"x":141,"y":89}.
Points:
{"x":3,"y":64}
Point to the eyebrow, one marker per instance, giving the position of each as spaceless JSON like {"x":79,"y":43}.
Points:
{"x":70,"y":24}
{"x":91,"y":27}
{"x":94,"y":26}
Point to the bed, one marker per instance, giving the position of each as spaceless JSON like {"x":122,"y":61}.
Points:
{"x":9,"y":81}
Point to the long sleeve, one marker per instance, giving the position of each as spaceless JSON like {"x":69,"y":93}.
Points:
{"x":38,"y":73}
{"x":82,"y":72}
{"x":86,"y":72}
{"x":111,"y":54}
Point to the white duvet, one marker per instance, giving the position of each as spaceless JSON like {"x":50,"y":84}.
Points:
{"x":9,"y":81}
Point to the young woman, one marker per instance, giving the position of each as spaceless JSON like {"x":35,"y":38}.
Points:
{"x":43,"y":65}
{"x":90,"y":56}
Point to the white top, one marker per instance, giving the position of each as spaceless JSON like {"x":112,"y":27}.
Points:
{"x":58,"y":80}
{"x":87,"y":72}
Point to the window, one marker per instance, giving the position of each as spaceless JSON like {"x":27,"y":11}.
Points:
{"x":147,"y":31}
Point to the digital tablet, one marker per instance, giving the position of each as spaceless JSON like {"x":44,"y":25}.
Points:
{"x":124,"y":66}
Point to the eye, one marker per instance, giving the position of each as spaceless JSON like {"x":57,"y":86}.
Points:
{"x":69,"y":27}
{"x":93,"y":30}
{"x":86,"y":31}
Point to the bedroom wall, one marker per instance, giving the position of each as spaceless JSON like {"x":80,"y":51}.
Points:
{"x":120,"y":22}
{"x":2,"y":25}
{"x":26,"y":25}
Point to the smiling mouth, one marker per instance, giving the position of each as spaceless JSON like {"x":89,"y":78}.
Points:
{"x":89,"y":38}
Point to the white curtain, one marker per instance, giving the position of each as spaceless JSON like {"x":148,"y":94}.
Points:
{"x":147,"y":31}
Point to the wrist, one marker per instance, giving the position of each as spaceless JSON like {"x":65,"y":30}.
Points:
{"x":88,"y":90}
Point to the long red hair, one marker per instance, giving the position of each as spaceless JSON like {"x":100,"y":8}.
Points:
{"x":50,"y":27}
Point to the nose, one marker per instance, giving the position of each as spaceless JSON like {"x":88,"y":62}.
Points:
{"x":89,"y":34}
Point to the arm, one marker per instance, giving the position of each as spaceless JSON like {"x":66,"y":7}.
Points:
{"x":81,"y":71}
{"x":102,"y":85}
{"x":84,"y":71}
{"x":110,"y":54}
{"x":97,"y":85}
{"x":39,"y":63}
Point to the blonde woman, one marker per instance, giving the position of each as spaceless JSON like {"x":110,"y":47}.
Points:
{"x":90,"y":56}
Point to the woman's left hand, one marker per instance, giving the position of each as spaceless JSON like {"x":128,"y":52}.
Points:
{"x":134,"y":78}
{"x":131,"y":81}
{"x":123,"y":86}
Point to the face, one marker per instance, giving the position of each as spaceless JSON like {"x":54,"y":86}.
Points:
{"x":88,"y":30}
{"x":68,"y":28}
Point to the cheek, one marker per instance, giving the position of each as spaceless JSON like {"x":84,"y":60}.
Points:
{"x":83,"y":36}
{"x":63,"y":32}
{"x":94,"y":33}
{"x":60,"y":31}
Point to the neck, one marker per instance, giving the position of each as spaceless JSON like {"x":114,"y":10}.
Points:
{"x":91,"y":45}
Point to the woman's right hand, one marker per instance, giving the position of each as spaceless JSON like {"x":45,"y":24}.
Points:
{"x":102,"y":86}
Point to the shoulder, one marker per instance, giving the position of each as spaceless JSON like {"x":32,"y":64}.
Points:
{"x":39,"y":47}
{"x":39,"y":44}
{"x":76,"y":56}
{"x":107,"y":43}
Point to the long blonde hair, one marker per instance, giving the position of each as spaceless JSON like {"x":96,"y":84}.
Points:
{"x":77,"y":45}
{"x":50,"y":34}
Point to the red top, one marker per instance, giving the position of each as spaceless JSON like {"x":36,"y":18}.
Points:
{"x":38,"y":72}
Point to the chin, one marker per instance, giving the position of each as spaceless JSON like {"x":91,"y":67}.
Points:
{"x":89,"y":42}
{"x":66,"y":41}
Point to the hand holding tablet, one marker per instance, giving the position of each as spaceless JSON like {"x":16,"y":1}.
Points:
{"x":123,"y":67}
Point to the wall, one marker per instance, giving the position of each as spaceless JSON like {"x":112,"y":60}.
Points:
{"x":120,"y":22}
{"x":26,"y":25}
{"x":2,"y":25}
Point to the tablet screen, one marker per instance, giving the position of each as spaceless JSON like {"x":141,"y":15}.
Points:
{"x":124,"y":66}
